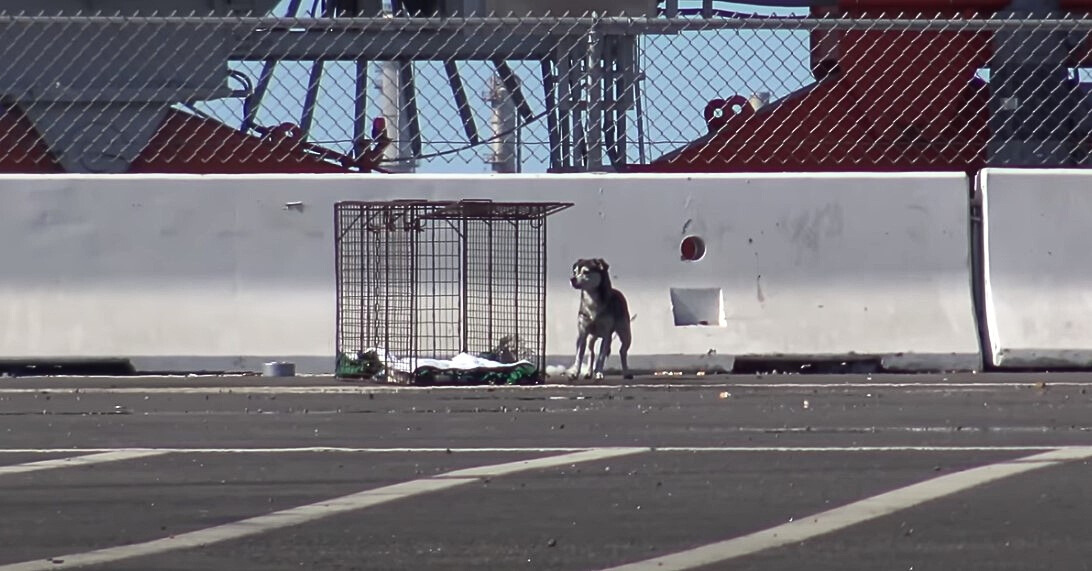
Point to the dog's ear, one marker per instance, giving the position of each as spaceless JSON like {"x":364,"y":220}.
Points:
{"x":602,"y":264}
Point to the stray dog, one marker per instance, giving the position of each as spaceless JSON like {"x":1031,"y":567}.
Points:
{"x":604,"y":312}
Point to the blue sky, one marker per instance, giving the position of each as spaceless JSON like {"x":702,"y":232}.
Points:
{"x":682,"y":73}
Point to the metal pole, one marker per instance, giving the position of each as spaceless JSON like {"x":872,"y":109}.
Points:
{"x":564,"y":107}
{"x":638,"y":103}
{"x":549,"y":87}
{"x":399,"y":154}
{"x":541,"y":329}
{"x":580,"y":150}
{"x":489,"y":278}
{"x":361,"y":132}
{"x":311,"y":97}
{"x":409,"y":101}
{"x":515,"y":282}
{"x":462,"y":104}
{"x":503,"y":124}
{"x":594,"y":61}
{"x":464,"y":313}
{"x":626,"y":81}
{"x":609,"y":58}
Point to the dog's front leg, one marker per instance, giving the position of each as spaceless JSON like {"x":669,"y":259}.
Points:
{"x":591,"y":359}
{"x":581,"y":345}
{"x":604,"y":352}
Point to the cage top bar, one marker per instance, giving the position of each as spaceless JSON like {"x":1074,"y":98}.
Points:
{"x":470,"y":209}
{"x":489,"y":210}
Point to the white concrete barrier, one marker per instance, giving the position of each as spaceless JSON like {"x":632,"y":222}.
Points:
{"x":213,"y":272}
{"x":1037,"y":263}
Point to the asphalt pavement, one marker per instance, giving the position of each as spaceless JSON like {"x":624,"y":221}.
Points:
{"x":720,"y":472}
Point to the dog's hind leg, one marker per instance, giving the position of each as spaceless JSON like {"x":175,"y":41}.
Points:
{"x":581,"y":345}
{"x":626,"y":338}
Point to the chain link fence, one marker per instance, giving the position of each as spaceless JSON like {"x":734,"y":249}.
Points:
{"x":146,"y":93}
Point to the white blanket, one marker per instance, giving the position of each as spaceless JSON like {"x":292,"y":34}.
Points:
{"x":462,"y":361}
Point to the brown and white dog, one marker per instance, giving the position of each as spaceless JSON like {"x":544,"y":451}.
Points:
{"x":604,"y":312}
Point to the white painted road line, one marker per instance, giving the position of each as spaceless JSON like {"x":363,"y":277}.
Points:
{"x":857,"y":512}
{"x":317,"y":449}
{"x":371,"y":389}
{"x":76,"y":461}
{"x":311,"y":512}
{"x":535,"y":449}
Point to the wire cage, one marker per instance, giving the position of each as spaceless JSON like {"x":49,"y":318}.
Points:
{"x":442,"y":292}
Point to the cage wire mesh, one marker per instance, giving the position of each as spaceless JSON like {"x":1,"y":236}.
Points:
{"x":442,"y":292}
{"x":307,"y":91}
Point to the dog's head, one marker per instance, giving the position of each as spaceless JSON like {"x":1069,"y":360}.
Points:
{"x":589,"y":274}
